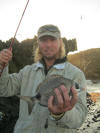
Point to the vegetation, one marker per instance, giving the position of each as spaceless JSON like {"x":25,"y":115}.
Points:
{"x":88,"y":61}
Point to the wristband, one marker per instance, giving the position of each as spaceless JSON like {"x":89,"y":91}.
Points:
{"x":58,"y":116}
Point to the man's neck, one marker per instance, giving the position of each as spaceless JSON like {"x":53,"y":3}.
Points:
{"x":49,"y":62}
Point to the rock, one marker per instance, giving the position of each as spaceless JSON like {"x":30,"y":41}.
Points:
{"x":92,"y":122}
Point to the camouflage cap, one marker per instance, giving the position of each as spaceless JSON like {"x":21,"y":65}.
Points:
{"x":49,"y":30}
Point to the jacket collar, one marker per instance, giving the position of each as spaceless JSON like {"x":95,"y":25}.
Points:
{"x":59,"y":64}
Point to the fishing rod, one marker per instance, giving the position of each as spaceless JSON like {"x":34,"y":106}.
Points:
{"x":12,"y":41}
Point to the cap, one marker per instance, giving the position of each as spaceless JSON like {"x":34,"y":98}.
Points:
{"x":49,"y":30}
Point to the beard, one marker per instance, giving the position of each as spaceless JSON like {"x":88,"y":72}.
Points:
{"x":49,"y":57}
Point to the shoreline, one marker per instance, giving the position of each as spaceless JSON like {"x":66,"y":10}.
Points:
{"x":92,"y":122}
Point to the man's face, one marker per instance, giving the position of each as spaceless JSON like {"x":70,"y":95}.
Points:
{"x":49,"y":47}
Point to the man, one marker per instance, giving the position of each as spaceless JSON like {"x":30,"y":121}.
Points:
{"x":70,"y":112}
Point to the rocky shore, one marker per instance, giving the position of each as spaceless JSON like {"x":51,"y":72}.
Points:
{"x":9,"y":111}
{"x":92,"y":122}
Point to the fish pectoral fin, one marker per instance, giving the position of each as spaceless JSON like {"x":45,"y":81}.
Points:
{"x":30,"y":107}
{"x":30,"y":101}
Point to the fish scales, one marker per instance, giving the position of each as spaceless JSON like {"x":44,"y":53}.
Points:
{"x":46,"y":89}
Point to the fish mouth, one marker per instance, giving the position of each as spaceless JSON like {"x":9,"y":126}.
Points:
{"x":38,"y":96}
{"x":76,"y":85}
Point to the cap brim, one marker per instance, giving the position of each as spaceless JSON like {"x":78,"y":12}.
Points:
{"x":49,"y":34}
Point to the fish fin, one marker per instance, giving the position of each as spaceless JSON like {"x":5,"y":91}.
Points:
{"x":30,"y":101}
{"x":30,"y":107}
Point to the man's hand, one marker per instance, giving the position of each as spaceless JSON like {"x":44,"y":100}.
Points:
{"x":5,"y":56}
{"x":65,"y":102}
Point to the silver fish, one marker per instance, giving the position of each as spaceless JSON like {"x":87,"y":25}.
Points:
{"x":46,"y":89}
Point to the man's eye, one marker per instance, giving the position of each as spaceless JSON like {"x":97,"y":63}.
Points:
{"x":43,"y":40}
{"x":53,"y":39}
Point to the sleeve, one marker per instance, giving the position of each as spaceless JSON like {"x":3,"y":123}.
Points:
{"x":74,"y":118}
{"x":10,"y":83}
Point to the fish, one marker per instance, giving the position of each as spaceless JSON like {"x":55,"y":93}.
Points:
{"x":46,"y":89}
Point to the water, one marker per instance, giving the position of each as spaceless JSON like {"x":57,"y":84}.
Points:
{"x":93,"y":87}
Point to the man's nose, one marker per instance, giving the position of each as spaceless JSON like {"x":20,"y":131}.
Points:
{"x":48,"y":44}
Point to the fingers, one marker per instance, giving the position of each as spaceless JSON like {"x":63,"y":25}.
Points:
{"x":66,"y":96}
{"x":59,"y":98}
{"x":56,"y":109}
{"x":74,"y":97}
{"x":53,"y":108}
{"x":65,"y":102}
{"x":50,"y":103}
{"x":73,"y":100}
{"x":5,"y":56}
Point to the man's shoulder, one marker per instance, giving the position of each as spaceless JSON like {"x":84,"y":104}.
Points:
{"x":74,"y":73}
{"x":33,"y":66}
{"x":71,"y":67}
